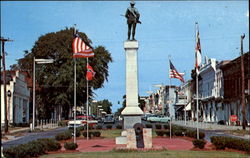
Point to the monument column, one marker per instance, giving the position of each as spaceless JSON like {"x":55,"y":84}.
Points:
{"x":131,"y":113}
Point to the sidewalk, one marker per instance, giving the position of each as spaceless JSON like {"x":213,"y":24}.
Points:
{"x":207,"y":126}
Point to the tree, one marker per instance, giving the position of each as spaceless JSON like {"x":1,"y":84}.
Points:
{"x":55,"y":81}
{"x":140,"y":101}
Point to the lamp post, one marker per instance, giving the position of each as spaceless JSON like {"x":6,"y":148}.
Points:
{"x":38,"y":61}
{"x":8,"y":107}
{"x":243,"y":102}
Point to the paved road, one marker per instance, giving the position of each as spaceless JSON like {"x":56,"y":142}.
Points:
{"x":33,"y":136}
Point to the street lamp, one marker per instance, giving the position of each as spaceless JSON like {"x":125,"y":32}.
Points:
{"x":38,"y":61}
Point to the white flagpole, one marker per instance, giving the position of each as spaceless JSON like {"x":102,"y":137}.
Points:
{"x":87,"y":104}
{"x":197,"y":86}
{"x":74,"y":97}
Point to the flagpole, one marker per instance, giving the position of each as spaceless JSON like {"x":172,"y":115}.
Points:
{"x":74,"y":96}
{"x":87,"y":104}
{"x":197,"y":91}
{"x":170,"y":133}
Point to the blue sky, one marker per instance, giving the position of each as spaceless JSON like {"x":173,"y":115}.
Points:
{"x":168,"y":28}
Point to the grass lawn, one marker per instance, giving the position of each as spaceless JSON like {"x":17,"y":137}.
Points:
{"x":117,"y":132}
{"x":111,"y":133}
{"x":239,"y":132}
{"x":150,"y":154}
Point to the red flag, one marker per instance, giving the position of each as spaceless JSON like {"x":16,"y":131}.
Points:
{"x":173,"y":73}
{"x":90,"y":73}
{"x":80,"y":49}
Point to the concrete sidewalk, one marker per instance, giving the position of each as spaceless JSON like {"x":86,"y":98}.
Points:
{"x":207,"y":126}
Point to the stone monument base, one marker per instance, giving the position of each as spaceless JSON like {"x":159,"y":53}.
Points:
{"x":130,"y":120}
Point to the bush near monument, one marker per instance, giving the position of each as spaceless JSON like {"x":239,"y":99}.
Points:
{"x":158,"y":126}
{"x":70,"y":146}
{"x":63,"y":136}
{"x":199,"y":143}
{"x":222,"y":142}
{"x":32,"y":149}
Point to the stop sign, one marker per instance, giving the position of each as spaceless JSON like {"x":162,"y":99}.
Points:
{"x":233,"y":118}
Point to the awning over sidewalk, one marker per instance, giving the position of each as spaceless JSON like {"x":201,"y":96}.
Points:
{"x":188,"y":107}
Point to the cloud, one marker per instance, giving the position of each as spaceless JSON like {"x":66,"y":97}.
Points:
{"x":247,"y":14}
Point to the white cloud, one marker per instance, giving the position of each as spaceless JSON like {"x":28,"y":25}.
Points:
{"x":247,"y":14}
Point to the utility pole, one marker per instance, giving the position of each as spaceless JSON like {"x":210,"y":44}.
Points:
{"x":243,"y":102}
{"x":3,"y":40}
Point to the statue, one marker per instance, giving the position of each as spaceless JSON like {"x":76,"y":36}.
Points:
{"x":132,"y":16}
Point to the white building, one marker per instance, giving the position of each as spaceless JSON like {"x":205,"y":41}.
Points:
{"x":18,"y":101}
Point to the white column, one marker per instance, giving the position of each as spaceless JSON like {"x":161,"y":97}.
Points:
{"x":132,"y":107}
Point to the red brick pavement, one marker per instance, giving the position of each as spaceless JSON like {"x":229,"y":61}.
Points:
{"x":94,"y":145}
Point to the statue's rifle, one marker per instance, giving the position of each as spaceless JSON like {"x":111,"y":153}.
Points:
{"x":137,"y":20}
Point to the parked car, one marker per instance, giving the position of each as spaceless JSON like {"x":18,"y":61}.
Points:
{"x":158,"y":118}
{"x":82,"y":121}
{"x":109,"y":118}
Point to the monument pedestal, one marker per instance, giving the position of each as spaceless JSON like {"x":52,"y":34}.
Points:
{"x":131,"y":113}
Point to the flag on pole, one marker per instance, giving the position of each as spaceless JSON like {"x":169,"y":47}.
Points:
{"x":80,"y":49}
{"x":173,"y":73}
{"x":90,"y":73}
{"x":197,"y":50}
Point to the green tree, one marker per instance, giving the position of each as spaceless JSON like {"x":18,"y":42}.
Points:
{"x":55,"y":81}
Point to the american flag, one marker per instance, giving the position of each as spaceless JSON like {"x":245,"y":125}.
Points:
{"x":173,"y":73}
{"x":80,"y":49}
{"x":197,"y":50}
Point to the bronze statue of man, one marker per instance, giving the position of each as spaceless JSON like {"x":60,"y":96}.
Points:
{"x":132,"y":16}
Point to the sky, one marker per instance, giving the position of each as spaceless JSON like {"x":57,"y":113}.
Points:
{"x":167,"y":31}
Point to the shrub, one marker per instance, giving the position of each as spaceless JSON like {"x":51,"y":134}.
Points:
{"x":221,"y":122}
{"x":221,"y":142}
{"x":78,"y":131}
{"x":99,"y":127}
{"x":166,"y":126}
{"x":50,"y":144}
{"x":109,"y":126}
{"x":166,"y":132}
{"x":63,"y":136}
{"x":70,"y":146}
{"x":177,"y":132}
{"x":159,"y":132}
{"x":84,"y":133}
{"x":218,"y":142}
{"x":193,"y":134}
{"x":34,"y":148}
{"x":158,"y":126}
{"x":96,"y":133}
{"x":118,"y":126}
{"x":148,"y":126}
{"x":199,"y":143}
{"x":63,"y":123}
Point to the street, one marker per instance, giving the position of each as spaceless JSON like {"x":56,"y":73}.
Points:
{"x":33,"y":136}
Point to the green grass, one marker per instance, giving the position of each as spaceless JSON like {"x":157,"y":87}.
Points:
{"x":239,"y":132}
{"x":150,"y":154}
{"x":117,"y":132}
{"x":111,"y":133}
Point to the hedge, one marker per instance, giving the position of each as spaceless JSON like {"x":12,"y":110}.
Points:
{"x":64,"y":135}
{"x":148,"y":126}
{"x":32,"y":149}
{"x":158,"y":126}
{"x":199,"y":143}
{"x":70,"y":146}
{"x":222,"y":142}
